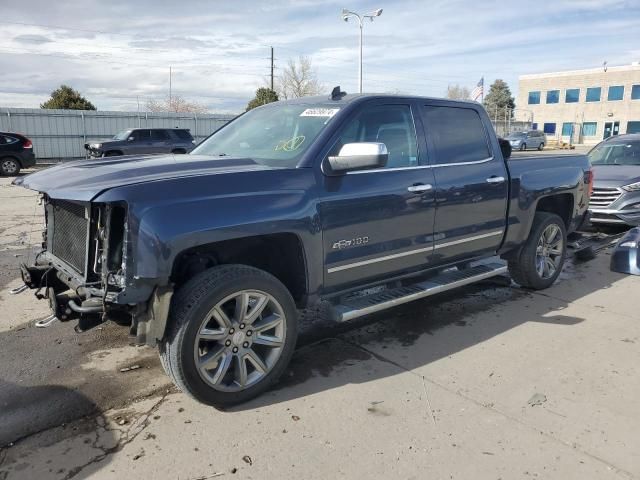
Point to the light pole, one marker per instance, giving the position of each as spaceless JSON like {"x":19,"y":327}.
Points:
{"x":345,"y":16}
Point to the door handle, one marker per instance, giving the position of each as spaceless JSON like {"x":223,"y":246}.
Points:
{"x":495,"y":180}
{"x":419,"y":188}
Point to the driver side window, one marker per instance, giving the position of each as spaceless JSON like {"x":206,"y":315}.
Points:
{"x":388,"y":124}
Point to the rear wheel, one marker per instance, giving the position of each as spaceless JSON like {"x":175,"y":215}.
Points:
{"x":232,"y":332}
{"x":541,"y":146}
{"x":523,"y":147}
{"x":9,"y":167}
{"x":543,"y":254}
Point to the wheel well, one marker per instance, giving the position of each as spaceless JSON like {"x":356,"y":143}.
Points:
{"x":280,"y":254}
{"x":179,"y":150}
{"x":12,"y":157}
{"x":561,"y":205}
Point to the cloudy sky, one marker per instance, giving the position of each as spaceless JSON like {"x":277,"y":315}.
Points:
{"x":117,"y":52}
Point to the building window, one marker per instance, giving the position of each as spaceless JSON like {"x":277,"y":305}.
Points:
{"x":593,"y":94}
{"x":633,"y":127}
{"x":549,"y":128}
{"x":567,"y":129}
{"x":635,"y":92}
{"x":589,"y":129}
{"x":553,"y":96}
{"x":572,"y":95}
{"x":534,"y":98}
{"x":616,"y":92}
{"x":534,"y":126}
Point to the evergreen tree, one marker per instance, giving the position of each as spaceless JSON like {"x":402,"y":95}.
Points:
{"x":67,"y":98}
{"x":500,"y":98}
{"x":263,"y":96}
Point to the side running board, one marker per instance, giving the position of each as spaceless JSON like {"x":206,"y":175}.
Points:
{"x":358,"y":307}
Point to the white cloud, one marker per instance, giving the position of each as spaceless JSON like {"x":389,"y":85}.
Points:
{"x":119,"y":53}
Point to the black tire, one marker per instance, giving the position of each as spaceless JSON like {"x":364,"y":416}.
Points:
{"x":9,"y":167}
{"x":178,"y":151}
{"x":541,"y":146}
{"x":524,"y":269}
{"x":112,"y":154}
{"x":190,"y":308}
{"x":523,"y":147}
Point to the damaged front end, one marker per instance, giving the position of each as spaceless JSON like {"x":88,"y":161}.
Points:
{"x":82,"y":270}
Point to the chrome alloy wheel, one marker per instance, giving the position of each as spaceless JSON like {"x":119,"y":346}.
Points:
{"x":549,"y":251}
{"x":9,"y":167}
{"x":240,"y":340}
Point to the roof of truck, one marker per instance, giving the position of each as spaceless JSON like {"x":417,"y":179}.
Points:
{"x":350,"y":98}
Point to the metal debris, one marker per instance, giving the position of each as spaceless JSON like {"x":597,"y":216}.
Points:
{"x":128,"y":369}
{"x":537,"y":399}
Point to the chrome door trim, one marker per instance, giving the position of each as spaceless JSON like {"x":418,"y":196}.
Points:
{"x":379,"y":170}
{"x":378,"y":259}
{"x":475,"y":162}
{"x":468,"y":239}
{"x":413,"y":252}
{"x":417,"y":167}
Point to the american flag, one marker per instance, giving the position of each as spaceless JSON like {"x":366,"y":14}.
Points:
{"x":478,"y":92}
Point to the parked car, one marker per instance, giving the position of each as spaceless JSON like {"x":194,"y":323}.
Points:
{"x":616,"y":190}
{"x":140,"y":141}
{"x":527,"y":140}
{"x":16,"y":153}
{"x":292,"y":204}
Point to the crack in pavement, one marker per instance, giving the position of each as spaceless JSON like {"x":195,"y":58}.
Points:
{"x":137,"y":427}
{"x":574,"y":446}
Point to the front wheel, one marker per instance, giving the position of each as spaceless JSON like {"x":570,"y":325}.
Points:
{"x":9,"y":167}
{"x":543,"y":253}
{"x":523,"y":147}
{"x":541,"y":146}
{"x":232,"y":332}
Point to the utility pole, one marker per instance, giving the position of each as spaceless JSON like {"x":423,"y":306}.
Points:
{"x":170,"y":103}
{"x":272,"y":70}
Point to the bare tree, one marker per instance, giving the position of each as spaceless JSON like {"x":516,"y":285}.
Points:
{"x":299,"y":79}
{"x":176,"y":104}
{"x":456,"y":92}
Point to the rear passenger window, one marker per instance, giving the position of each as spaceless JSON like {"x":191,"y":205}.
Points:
{"x":159,"y":135}
{"x":388,"y":124}
{"x":458,"y":134}
{"x":140,"y":135}
{"x":183,"y":135}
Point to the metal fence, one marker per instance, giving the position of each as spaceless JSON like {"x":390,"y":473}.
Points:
{"x":61,"y":134}
{"x":505,"y":127}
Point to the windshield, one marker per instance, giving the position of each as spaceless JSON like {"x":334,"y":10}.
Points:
{"x":516,"y":136}
{"x":276,"y":135}
{"x":616,"y":154}
{"x":122,"y":135}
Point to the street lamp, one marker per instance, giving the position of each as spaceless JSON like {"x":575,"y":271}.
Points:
{"x":345,"y":16}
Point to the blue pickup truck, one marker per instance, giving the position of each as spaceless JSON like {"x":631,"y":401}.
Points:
{"x":362,"y":202}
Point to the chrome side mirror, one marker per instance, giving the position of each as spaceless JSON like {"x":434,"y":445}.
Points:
{"x":357,"y":156}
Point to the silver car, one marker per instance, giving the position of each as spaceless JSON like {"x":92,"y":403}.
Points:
{"x":524,"y":140}
{"x":616,"y":188}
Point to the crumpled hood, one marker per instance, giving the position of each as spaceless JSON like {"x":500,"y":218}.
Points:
{"x":610,"y":176}
{"x":85,"y":179}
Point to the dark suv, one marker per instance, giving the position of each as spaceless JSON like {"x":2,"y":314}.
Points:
{"x":16,"y":152}
{"x":142,"y":141}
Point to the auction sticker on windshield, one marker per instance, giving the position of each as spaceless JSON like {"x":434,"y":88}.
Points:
{"x":319,"y":112}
